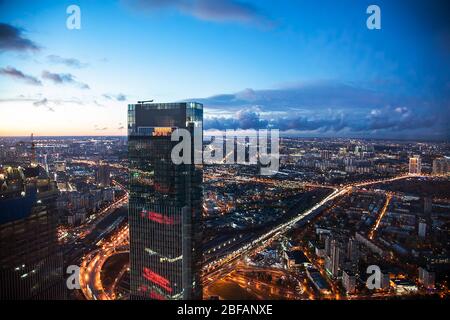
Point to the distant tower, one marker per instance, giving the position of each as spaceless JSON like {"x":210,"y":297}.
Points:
{"x":33,"y":151}
{"x":427,"y":205}
{"x":45,"y":162}
{"x":440,"y":166}
{"x":427,"y":278}
{"x":353,"y":252}
{"x":103,"y":175}
{"x":422,"y":229}
{"x":335,"y":260}
{"x":415,"y":165}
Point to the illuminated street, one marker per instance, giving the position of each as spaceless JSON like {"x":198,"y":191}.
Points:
{"x":91,"y":267}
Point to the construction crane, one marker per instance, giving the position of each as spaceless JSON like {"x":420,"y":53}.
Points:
{"x":145,"y":101}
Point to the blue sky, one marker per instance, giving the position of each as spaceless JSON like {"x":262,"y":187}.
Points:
{"x":310,"y":68}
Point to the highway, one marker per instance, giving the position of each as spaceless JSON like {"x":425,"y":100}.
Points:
{"x":80,"y":232}
{"x":380,"y":216}
{"x":92,"y":264}
{"x":220,"y":267}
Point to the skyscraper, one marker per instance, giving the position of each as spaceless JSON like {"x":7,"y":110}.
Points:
{"x":422,"y":229}
{"x":440,"y":166}
{"x":103,"y":175}
{"x":427,"y":277}
{"x":427,"y":205}
{"x":415,"y":165}
{"x":165,"y":203}
{"x":334,"y":261}
{"x":349,"y":281}
{"x":31,"y":261}
{"x":353,"y":252}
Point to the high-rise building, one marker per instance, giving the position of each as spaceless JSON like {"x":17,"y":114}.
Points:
{"x":415,"y":165}
{"x":165,"y":202}
{"x":422,"y":229}
{"x":328,"y":239}
{"x":349,"y":281}
{"x":334,"y":262}
{"x":385,"y":282}
{"x":440,"y":166}
{"x":427,"y":205}
{"x":427,"y":278}
{"x":31,"y":261}
{"x":353,"y":252}
{"x":103,"y":175}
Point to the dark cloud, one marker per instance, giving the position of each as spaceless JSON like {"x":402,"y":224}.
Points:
{"x":247,"y":119}
{"x":304,"y":96}
{"x":63,"y":78}
{"x":243,"y":119}
{"x":331,"y":109}
{"x":71,"y":62}
{"x":375,"y":124}
{"x":12,"y":39}
{"x":58,"y":77}
{"x":17,"y":74}
{"x":217,"y":10}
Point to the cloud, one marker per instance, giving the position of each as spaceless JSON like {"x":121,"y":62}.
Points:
{"x":121,"y":97}
{"x":63,"y":78}
{"x":43,"y":102}
{"x":12,"y":39}
{"x":332,"y":109}
{"x":98,"y":104}
{"x":216,"y":11}
{"x":70,"y":62}
{"x":306,"y":96}
{"x":37,"y":100}
{"x":248,"y":119}
{"x":17,"y":74}
{"x":97,"y":128}
{"x":118,"y":97}
{"x":379,"y":124}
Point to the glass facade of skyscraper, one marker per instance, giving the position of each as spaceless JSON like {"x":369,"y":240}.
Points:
{"x":31,"y":259}
{"x":165,"y":203}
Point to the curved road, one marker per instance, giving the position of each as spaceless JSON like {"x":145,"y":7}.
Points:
{"x":91,"y":267}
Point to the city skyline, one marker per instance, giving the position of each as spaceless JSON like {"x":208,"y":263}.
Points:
{"x":335,"y":210}
{"x":303,"y":69}
{"x":225,"y":151}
